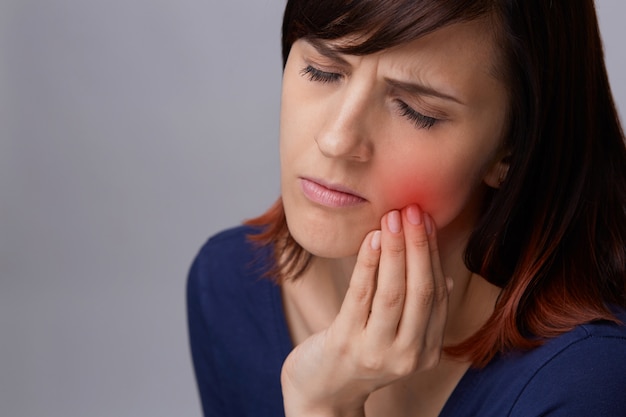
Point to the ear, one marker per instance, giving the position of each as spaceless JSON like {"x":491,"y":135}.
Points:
{"x":497,"y":174}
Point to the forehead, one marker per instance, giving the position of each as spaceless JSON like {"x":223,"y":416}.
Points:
{"x":465,"y":49}
{"x":460,"y":58}
{"x":478,"y":34}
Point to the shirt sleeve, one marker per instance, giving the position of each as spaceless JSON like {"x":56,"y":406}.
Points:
{"x":587,"y":378}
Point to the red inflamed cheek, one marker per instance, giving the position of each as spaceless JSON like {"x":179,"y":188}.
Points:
{"x":401,"y":192}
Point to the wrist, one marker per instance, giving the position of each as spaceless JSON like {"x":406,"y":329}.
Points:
{"x":300,"y":410}
{"x":298,"y":404}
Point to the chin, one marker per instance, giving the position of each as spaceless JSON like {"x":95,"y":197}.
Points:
{"x":326,"y":240}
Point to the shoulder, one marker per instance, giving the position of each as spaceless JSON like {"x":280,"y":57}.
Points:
{"x":229,"y":254}
{"x":226,"y":286}
{"x":228,"y":271}
{"x":237,"y":332}
{"x":230,"y":243}
{"x":579,"y":373}
{"x":592,"y":345}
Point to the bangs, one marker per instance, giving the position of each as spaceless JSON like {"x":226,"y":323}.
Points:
{"x":374,"y":25}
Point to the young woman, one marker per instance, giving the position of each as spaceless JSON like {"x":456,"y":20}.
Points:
{"x":451,"y":234}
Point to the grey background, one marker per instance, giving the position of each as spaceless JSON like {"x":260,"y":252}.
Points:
{"x":131,"y":130}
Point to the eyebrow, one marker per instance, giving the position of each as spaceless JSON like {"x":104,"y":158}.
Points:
{"x":326,"y":50}
{"x":420,"y":90}
{"x":411,"y":88}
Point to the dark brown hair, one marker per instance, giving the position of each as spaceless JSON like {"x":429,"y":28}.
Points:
{"x":553,"y":236}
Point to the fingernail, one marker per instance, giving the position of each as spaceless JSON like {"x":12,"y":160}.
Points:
{"x":414,"y":215}
{"x":428,"y":222}
{"x":375,"y":241}
{"x":394,"y":221}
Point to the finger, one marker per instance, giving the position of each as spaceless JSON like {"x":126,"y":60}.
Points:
{"x":431,"y":230}
{"x":436,"y":326}
{"x":357,"y":303}
{"x":388,"y":299}
{"x":423,"y":281}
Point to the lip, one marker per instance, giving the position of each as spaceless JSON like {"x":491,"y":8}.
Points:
{"x":329,"y":195}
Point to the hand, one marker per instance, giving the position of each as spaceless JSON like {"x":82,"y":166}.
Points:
{"x":391,"y":323}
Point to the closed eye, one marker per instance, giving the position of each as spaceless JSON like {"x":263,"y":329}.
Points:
{"x":317,"y":75}
{"x":418,"y":119}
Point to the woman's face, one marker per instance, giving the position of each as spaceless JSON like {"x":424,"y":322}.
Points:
{"x":361,"y":135}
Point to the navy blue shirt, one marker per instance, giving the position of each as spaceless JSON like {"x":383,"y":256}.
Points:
{"x":239,"y":340}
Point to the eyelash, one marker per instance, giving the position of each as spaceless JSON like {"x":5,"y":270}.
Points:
{"x":314,"y":74}
{"x":418,"y":119}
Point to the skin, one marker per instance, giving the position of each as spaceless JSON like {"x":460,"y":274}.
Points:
{"x":371,"y":314}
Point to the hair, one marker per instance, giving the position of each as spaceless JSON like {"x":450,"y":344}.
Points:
{"x":553,"y":235}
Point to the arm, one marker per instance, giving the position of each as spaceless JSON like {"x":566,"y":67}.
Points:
{"x":390,"y":324}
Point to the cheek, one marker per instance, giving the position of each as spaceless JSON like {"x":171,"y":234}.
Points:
{"x":404,"y":181}
{"x":440,"y":190}
{"x":401,"y":190}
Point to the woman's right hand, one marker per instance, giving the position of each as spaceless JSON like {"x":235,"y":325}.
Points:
{"x":391,"y":323}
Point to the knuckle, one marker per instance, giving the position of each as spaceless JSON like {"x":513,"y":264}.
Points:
{"x":420,"y":242}
{"x":431,"y":361}
{"x":343,"y":348}
{"x":373,"y":363}
{"x":396,"y":249}
{"x":425,"y":294}
{"x":416,"y":360}
{"x":406,"y":366}
{"x":441,"y":293}
{"x":434,"y":252}
{"x":370,"y":263}
{"x":391,"y":298}
{"x":360,"y":293}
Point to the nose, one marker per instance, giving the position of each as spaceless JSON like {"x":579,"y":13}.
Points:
{"x":346,"y":133}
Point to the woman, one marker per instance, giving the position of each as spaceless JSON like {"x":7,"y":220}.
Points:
{"x":451,"y":234}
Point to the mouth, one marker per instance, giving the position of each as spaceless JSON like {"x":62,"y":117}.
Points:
{"x":329,"y":195}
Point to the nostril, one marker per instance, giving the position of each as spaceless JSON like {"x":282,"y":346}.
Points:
{"x":344,"y":145}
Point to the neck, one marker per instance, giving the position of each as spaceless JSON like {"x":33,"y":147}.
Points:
{"x":326,"y":281}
